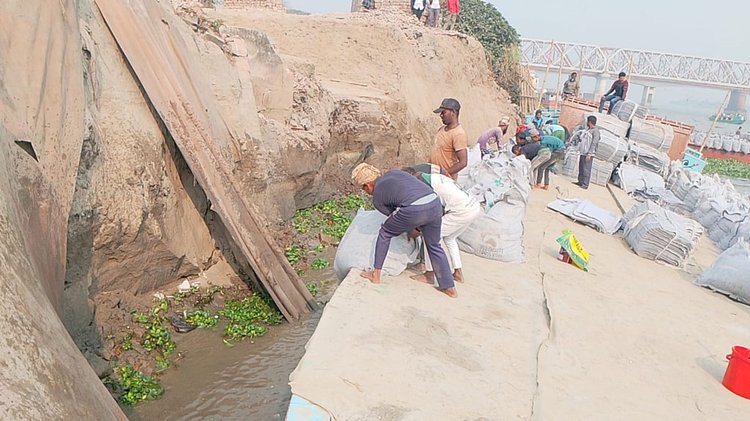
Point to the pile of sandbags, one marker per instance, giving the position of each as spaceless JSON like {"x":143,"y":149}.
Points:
{"x":611,"y":148}
{"x":690,"y":186}
{"x":730,"y":273}
{"x":473,"y":155}
{"x":648,"y":186}
{"x":492,"y":180}
{"x":634,"y":178}
{"x":357,"y":248}
{"x":627,"y":110}
{"x":651,"y":133}
{"x":722,"y":142}
{"x":608,"y":123}
{"x":601,"y":171}
{"x":587,"y":213}
{"x":714,"y":203}
{"x":498,"y":234}
{"x":648,"y":158}
{"x":658,"y":234}
{"x":725,"y":214}
{"x":733,"y":144}
{"x":501,"y":184}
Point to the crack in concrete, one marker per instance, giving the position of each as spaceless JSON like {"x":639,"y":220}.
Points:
{"x":548,"y":319}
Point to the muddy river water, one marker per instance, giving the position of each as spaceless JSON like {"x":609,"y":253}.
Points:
{"x":247,"y":381}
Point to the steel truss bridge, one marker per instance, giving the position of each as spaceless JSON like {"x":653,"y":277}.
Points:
{"x":643,"y":66}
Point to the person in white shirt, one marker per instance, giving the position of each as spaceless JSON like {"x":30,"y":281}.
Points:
{"x":460,"y":210}
{"x":433,"y":19}
{"x":417,"y":7}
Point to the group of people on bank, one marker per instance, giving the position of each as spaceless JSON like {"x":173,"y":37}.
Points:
{"x":431,"y":10}
{"x":424,"y":199}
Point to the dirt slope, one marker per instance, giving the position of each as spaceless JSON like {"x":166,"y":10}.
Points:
{"x":387,"y":57}
{"x":111,"y":209}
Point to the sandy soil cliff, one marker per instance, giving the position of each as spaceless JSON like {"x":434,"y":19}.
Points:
{"x":97,"y":201}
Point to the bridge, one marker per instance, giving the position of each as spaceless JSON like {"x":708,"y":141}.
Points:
{"x":644,"y":67}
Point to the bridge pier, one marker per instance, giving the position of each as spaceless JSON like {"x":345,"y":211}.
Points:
{"x":648,"y":96}
{"x":737,"y":102}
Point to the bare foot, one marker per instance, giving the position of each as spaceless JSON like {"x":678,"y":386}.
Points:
{"x":371,"y":276}
{"x":423,"y":277}
{"x":458,"y":276}
{"x":451,"y":292}
{"x":420,"y":268}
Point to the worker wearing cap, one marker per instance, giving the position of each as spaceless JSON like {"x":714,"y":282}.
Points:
{"x":493,"y":135}
{"x":409,"y":205}
{"x":451,"y":141}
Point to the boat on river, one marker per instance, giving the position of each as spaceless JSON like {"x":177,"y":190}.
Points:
{"x":729,"y":118}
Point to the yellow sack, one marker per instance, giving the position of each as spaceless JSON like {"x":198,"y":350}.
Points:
{"x":578,"y":255}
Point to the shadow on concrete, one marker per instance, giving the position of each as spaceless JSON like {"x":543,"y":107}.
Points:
{"x":711,"y":366}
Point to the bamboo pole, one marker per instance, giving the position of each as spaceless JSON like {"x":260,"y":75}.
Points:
{"x":716,"y":120}
{"x":580,"y":73}
{"x":630,"y":67}
{"x":580,"y":67}
{"x":546,"y":73}
{"x":559,"y":75}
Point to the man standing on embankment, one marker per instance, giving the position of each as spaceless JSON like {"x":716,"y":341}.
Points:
{"x":453,"y":8}
{"x":588,"y":142}
{"x":449,"y":151}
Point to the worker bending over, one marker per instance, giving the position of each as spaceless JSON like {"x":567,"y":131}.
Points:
{"x":408,"y":204}
{"x":460,"y":210}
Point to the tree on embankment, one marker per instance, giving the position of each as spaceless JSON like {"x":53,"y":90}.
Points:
{"x":484,"y":22}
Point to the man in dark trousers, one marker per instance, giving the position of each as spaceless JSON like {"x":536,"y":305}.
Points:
{"x":409,"y":204}
{"x":588,"y":142}
{"x":615,"y":94}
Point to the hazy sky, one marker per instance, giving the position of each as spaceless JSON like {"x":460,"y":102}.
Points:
{"x":719,"y":29}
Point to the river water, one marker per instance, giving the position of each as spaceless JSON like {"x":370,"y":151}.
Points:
{"x":248,"y":381}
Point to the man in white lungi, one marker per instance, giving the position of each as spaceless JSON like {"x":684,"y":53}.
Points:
{"x":460,"y":210}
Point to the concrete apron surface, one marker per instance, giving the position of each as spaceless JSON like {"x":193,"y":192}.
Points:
{"x":632,"y":339}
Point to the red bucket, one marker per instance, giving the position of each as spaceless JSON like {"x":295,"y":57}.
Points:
{"x":737,"y":376}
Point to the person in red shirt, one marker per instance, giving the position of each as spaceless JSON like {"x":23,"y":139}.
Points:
{"x":454,"y":8}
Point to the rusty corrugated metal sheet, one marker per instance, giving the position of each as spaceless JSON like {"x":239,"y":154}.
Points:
{"x":148,"y":36}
